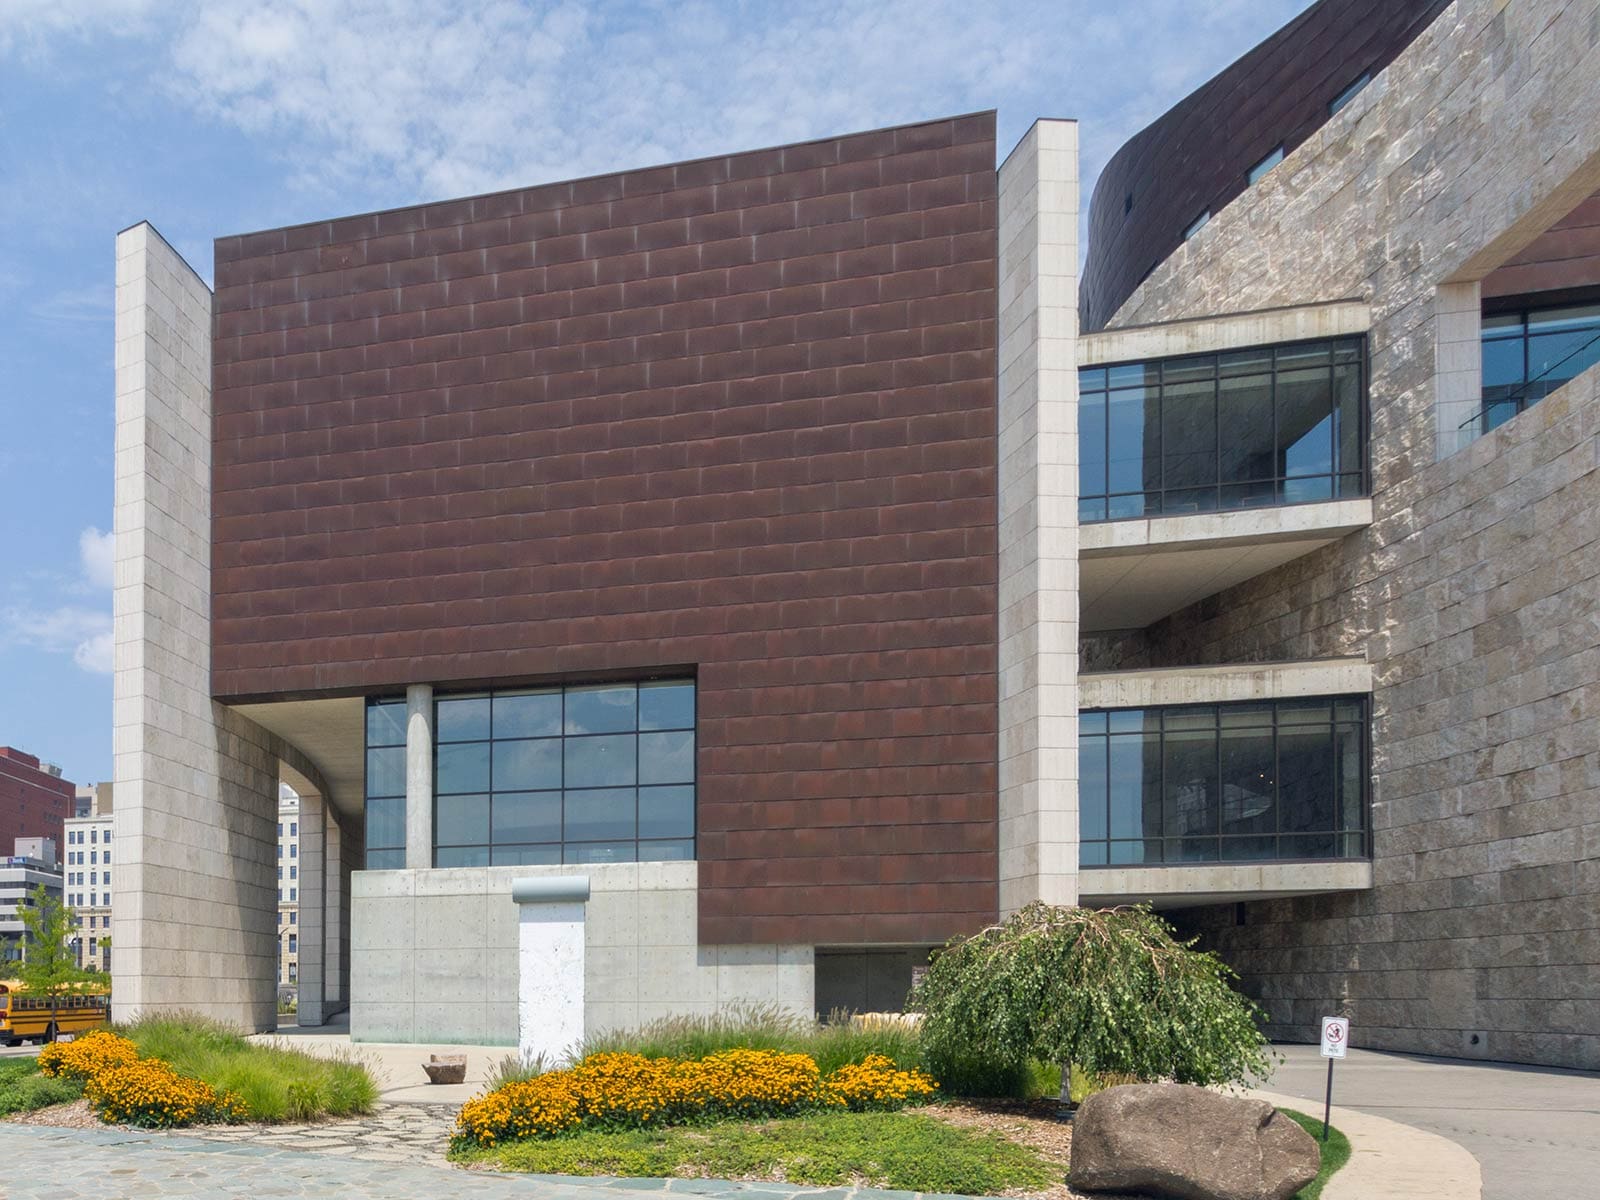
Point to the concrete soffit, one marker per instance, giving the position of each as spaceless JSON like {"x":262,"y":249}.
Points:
{"x":330,"y":733}
{"x":1230,"y":331}
{"x":1224,"y":684}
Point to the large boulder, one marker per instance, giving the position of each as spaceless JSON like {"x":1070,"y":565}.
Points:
{"x":1187,"y":1143}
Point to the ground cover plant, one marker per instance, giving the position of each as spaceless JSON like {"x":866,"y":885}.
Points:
{"x":1335,"y":1152}
{"x":1110,"y":991}
{"x":904,"y":1150}
{"x":616,"y":1091}
{"x":272,"y":1083}
{"x":23,"y":1088}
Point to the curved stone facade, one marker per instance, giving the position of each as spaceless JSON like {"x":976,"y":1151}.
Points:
{"x":1194,"y":158}
{"x":1472,"y":594}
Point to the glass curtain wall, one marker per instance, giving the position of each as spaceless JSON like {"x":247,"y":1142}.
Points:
{"x":1530,"y":353}
{"x":1280,"y":780}
{"x":1243,"y":429}
{"x":598,"y":773}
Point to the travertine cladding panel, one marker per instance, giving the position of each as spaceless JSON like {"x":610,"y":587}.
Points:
{"x":1195,"y":157}
{"x":1474,"y":593}
{"x":736,"y":415}
{"x":436,"y":955}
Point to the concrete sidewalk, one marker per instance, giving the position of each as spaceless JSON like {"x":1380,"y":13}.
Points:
{"x":396,"y":1067}
{"x":1534,"y":1131}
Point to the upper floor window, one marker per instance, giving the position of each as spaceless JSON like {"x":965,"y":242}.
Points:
{"x":1284,"y":779}
{"x":1530,"y":352}
{"x":1349,"y":92}
{"x":1254,"y":174}
{"x":1196,"y":225}
{"x":1239,"y":429}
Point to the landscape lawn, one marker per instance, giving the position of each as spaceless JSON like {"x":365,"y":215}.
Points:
{"x":1335,"y":1152}
{"x":275,"y":1083}
{"x":23,"y":1089}
{"x":904,"y":1150}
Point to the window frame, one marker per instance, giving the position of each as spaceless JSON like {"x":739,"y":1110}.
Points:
{"x":1361,"y":472}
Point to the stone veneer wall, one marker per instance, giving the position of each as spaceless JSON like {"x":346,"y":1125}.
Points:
{"x":1473,"y":593}
{"x":435,"y":954}
{"x":195,"y":924}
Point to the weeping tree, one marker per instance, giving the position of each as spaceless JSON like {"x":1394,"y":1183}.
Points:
{"x":1111,"y":991}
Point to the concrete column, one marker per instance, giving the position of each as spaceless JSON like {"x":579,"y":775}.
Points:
{"x":550,"y":916}
{"x":196,"y":918}
{"x":419,"y":777}
{"x":313,"y":906}
{"x":335,"y":917}
{"x":1038,"y":452}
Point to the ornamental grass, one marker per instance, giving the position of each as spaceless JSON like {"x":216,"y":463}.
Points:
{"x":617,"y":1091}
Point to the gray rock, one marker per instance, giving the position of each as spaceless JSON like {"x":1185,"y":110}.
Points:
{"x":446,"y":1068}
{"x":1187,"y":1143}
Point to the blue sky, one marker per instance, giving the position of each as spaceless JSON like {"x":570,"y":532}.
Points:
{"x":220,"y":117}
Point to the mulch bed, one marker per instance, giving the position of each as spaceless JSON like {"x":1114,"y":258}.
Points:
{"x":74,"y":1115}
{"x":1031,"y":1123}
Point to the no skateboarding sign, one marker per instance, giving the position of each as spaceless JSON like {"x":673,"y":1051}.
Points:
{"x":1335,"y":1040}
{"x":1335,"y":1036}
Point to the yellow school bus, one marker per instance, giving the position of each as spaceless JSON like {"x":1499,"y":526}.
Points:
{"x":23,"y":1016}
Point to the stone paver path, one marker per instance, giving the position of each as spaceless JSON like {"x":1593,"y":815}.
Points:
{"x":44,"y":1163}
{"x":400,"y":1133}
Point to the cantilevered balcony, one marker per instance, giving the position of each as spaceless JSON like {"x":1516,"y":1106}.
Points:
{"x":1201,"y":470}
{"x":1199,"y":785}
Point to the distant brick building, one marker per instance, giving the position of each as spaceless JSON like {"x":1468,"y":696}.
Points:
{"x":34,"y":799}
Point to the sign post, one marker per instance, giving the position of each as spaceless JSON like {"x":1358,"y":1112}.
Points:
{"x":1335,"y":1038}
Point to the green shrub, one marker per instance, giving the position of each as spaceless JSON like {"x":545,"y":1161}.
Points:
{"x":273,"y":1082}
{"x":1110,"y":991}
{"x":23,"y":1089}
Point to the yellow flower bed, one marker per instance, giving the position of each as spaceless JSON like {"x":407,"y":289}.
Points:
{"x":121,"y":1087}
{"x":150,"y":1094}
{"x":88,"y":1055}
{"x":876,"y":1083}
{"x":629,"y":1091}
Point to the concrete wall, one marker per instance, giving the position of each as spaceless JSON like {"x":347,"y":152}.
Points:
{"x":1038,"y":479}
{"x":1473,"y":594}
{"x":435,"y":954}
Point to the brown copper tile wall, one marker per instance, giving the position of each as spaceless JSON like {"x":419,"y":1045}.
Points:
{"x":734,"y":415}
{"x":1566,"y":257}
{"x":1194,"y":157}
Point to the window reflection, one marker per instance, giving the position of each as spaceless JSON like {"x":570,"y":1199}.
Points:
{"x":1223,"y":783}
{"x":1241,"y":429}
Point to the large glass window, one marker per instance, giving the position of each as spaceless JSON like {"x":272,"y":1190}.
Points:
{"x":1529,"y":353}
{"x":386,"y":785}
{"x":1241,"y":429}
{"x":1284,"y":779}
{"x":595,"y":773}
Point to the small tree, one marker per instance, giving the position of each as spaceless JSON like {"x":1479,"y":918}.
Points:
{"x":1109,"y":990}
{"x":49,"y":967}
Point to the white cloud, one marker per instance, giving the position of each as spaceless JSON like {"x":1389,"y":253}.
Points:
{"x":84,"y":633}
{"x":97,"y":554}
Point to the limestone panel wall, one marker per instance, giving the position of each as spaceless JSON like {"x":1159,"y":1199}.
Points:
{"x":1038,"y":550}
{"x":1474,"y":592}
{"x":435,"y":954}
{"x":195,"y":924}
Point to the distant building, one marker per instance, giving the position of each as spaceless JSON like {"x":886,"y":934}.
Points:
{"x":288,"y":892}
{"x":34,"y":799}
{"x":87,"y":874}
{"x":33,"y":862}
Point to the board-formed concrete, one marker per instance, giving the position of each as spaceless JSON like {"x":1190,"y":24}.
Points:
{"x":1474,"y":592}
{"x":436,"y":954}
{"x":1038,"y":456}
